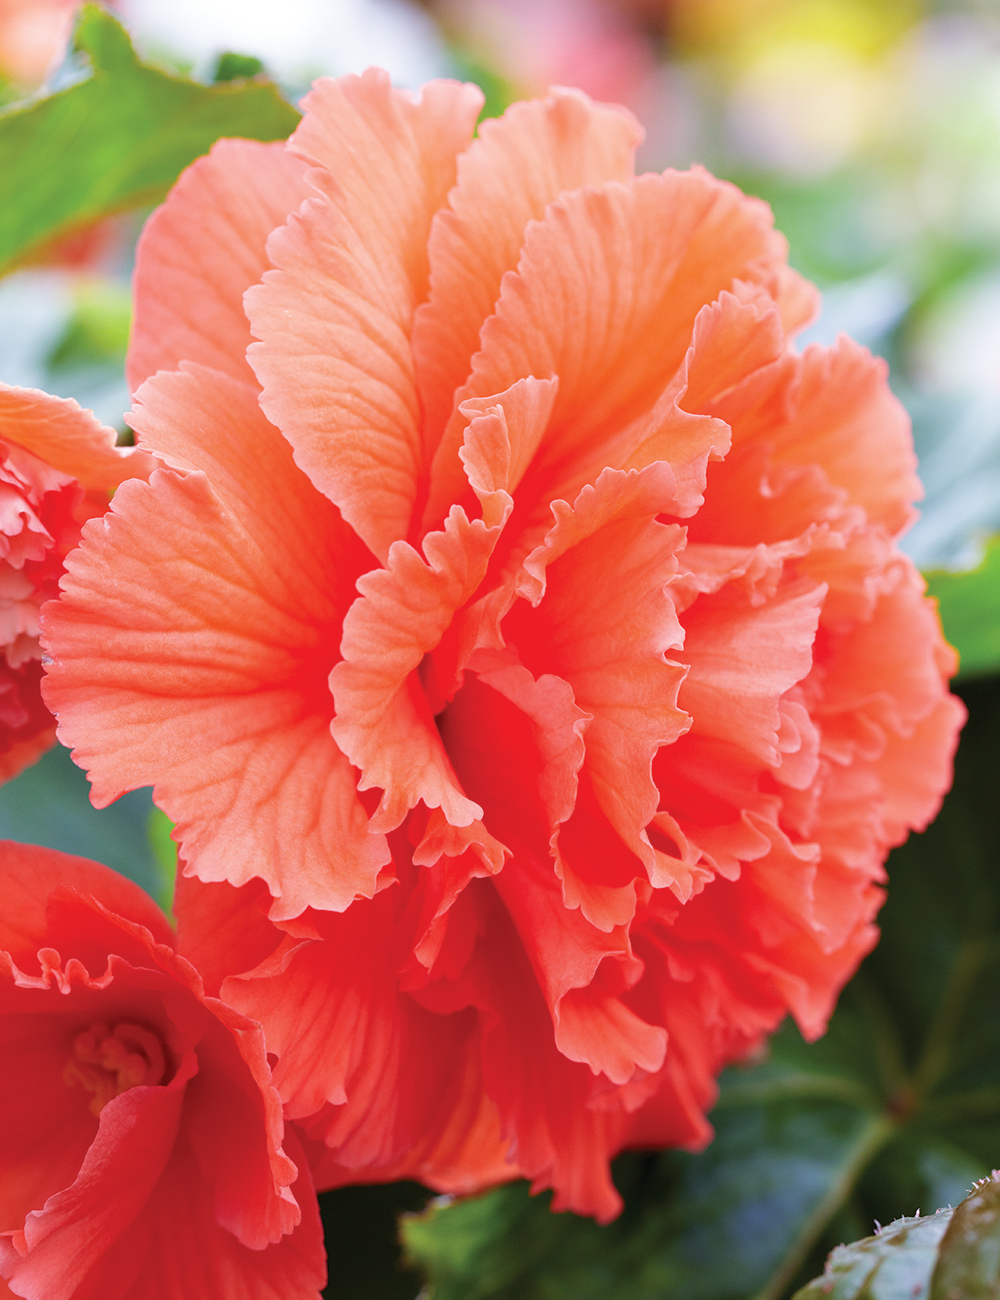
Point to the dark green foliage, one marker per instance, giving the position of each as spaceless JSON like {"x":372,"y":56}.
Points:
{"x":362,"y":1246}
{"x":952,"y":1255}
{"x":897,"y":1262}
{"x":968,"y":1263}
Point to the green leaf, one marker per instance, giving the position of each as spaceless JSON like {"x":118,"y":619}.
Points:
{"x":98,"y":330}
{"x":968,"y":1264}
{"x":235,"y":67}
{"x":970,"y":612}
{"x":953,"y":1255}
{"x":894,"y":1264}
{"x":696,"y":1228}
{"x":896,"y":1109}
{"x":117,"y":139}
{"x":498,"y":92}
{"x":158,"y":830}
{"x":362,"y":1244}
{"x":49,"y":804}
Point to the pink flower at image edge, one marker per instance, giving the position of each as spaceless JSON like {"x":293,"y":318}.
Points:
{"x":58,"y":468}
{"x":141,"y":1137}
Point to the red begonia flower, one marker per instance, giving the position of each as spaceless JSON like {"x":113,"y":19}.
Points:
{"x":140,"y":1133}
{"x":519,"y":640}
{"x":58,"y":467}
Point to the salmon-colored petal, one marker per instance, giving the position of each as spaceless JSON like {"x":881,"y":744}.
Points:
{"x":581,"y":970}
{"x":872,"y":684}
{"x":605,"y":624}
{"x":329,"y":1006}
{"x":912,"y":784}
{"x":864,"y":443}
{"x":233,"y":686}
{"x":743,"y":658}
{"x":557,"y":723}
{"x":198,"y":419}
{"x":63,"y":1241}
{"x":391,"y":153}
{"x":542,"y":1097}
{"x":31,"y":873}
{"x":566,"y":951}
{"x":73,"y":441}
{"x":335,"y":319}
{"x":45,"y":1127}
{"x":201,"y":251}
{"x":502,"y":437}
{"x":222,"y":929}
{"x":346,"y":1039}
{"x":517,"y":744}
{"x":833,"y":407}
{"x":515,"y":167}
{"x":383,"y":721}
{"x":731,"y":342}
{"x":605,"y":296}
{"x":491,"y":733}
{"x":595,"y":1026}
{"x":461,"y":1154}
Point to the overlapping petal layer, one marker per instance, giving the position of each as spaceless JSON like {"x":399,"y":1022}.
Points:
{"x":141,"y":1134}
{"x":525,"y":654}
{"x":58,"y":467}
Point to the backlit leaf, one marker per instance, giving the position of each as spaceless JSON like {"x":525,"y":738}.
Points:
{"x":117,"y":139}
{"x":970,"y":612}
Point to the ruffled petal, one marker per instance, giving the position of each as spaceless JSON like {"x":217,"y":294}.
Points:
{"x":917,"y":769}
{"x":233,"y":686}
{"x":30,"y":875}
{"x":68,"y":1239}
{"x":175,"y":1250}
{"x":510,"y":758}
{"x":833,"y":407}
{"x":744,"y":655}
{"x":605,"y":296}
{"x":73,"y":441}
{"x":383,"y":721}
{"x":201,"y":250}
{"x":556,"y":1137}
{"x":222,"y":929}
{"x":335,"y":319}
{"x":515,"y":167}
{"x":369,"y":1069}
{"x":604,"y":624}
{"x":461,"y":1153}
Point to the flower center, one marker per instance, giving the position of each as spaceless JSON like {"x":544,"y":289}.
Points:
{"x":108,"y":1061}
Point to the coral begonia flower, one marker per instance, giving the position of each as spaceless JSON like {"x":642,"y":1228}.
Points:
{"x":58,"y":467}
{"x":140,"y":1133}
{"x":519,"y":638}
